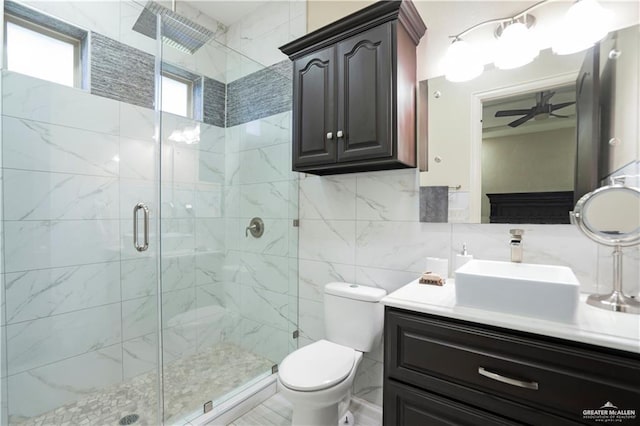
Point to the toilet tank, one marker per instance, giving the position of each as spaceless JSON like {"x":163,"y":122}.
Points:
{"x":353,"y":315}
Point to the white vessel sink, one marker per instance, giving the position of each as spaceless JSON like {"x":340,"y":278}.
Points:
{"x":541,"y":291}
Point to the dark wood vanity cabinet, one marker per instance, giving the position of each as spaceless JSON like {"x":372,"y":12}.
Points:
{"x":444,"y":371}
{"x":354,"y":87}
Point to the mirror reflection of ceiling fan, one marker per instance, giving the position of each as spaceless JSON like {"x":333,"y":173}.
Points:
{"x":542,"y":109}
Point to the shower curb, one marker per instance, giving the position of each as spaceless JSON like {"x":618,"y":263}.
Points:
{"x":239,"y":405}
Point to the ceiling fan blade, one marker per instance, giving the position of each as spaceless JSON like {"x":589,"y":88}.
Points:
{"x":558,"y":115}
{"x":562,"y":105}
{"x":510,"y":112}
{"x":522,"y":120}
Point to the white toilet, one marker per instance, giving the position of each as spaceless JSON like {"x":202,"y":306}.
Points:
{"x":317,"y":378}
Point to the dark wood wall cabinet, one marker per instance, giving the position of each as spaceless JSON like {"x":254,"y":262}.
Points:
{"x":440,"y":371}
{"x":354,"y":91}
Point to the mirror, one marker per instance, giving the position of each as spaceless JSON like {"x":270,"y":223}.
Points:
{"x":610,"y":215}
{"x":595,"y":141}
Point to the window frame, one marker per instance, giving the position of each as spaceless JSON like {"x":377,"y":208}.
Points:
{"x":47,"y":32}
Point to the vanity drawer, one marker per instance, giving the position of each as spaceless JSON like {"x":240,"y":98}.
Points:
{"x":543,"y":373}
{"x":407,"y":406}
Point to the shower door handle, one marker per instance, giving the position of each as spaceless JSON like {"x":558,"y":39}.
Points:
{"x":145,"y":209}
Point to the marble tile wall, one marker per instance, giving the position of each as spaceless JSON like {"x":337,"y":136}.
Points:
{"x":364,"y":228}
{"x":261,"y":275}
{"x":259,"y":35}
{"x":3,"y":329}
{"x":62,"y":245}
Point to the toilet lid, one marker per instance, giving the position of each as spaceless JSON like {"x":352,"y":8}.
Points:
{"x":319,"y":365}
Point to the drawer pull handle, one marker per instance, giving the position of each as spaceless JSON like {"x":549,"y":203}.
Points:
{"x":508,"y":380}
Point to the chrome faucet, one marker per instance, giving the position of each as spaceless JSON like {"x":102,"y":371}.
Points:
{"x":516,"y":245}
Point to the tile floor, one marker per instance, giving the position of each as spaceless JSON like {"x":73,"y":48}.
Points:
{"x":227,"y":367}
{"x":276,"y":411}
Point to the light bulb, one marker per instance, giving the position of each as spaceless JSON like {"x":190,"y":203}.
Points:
{"x":584,"y":24}
{"x":461,"y":63}
{"x":516,"y":47}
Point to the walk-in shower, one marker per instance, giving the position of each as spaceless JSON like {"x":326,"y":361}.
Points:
{"x":96,"y":327}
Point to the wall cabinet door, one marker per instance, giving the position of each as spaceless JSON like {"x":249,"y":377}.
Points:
{"x":365,"y":99}
{"x":354,"y":91}
{"x":314,"y":135}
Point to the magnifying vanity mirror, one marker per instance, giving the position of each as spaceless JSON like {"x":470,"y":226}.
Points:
{"x":610,"y":215}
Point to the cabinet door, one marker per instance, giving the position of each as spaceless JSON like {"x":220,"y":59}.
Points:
{"x":314,"y":109}
{"x":365,"y":110}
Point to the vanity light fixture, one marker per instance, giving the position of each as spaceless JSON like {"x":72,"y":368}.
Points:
{"x":516,"y":44}
{"x":585,"y":23}
{"x":461,"y":62}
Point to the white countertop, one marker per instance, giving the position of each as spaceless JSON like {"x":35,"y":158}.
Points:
{"x":593,"y":325}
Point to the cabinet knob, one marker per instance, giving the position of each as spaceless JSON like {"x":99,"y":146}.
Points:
{"x":329,"y":135}
{"x":340,"y":134}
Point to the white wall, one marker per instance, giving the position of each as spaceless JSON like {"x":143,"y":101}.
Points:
{"x":323,"y":12}
{"x":530,"y":162}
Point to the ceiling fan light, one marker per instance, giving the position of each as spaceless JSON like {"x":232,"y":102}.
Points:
{"x":584,"y":24}
{"x":461,"y":63}
{"x":516,"y":47}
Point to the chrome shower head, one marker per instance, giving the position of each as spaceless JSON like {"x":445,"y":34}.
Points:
{"x":177,"y":31}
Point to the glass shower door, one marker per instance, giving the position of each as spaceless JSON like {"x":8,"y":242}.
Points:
{"x":79,"y":316}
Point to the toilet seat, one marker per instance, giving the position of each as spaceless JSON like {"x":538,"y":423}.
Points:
{"x":317,"y":366}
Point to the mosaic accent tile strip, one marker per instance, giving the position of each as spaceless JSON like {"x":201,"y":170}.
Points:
{"x":260,"y":94}
{"x":121,"y":72}
{"x":213,"y":102}
{"x":434,"y":204}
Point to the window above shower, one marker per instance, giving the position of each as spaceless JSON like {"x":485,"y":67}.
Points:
{"x":176,"y":95}
{"x":181,"y":92}
{"x":44,"y":47}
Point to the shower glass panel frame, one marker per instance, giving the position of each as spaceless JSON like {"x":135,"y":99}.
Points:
{"x":229,"y":300}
